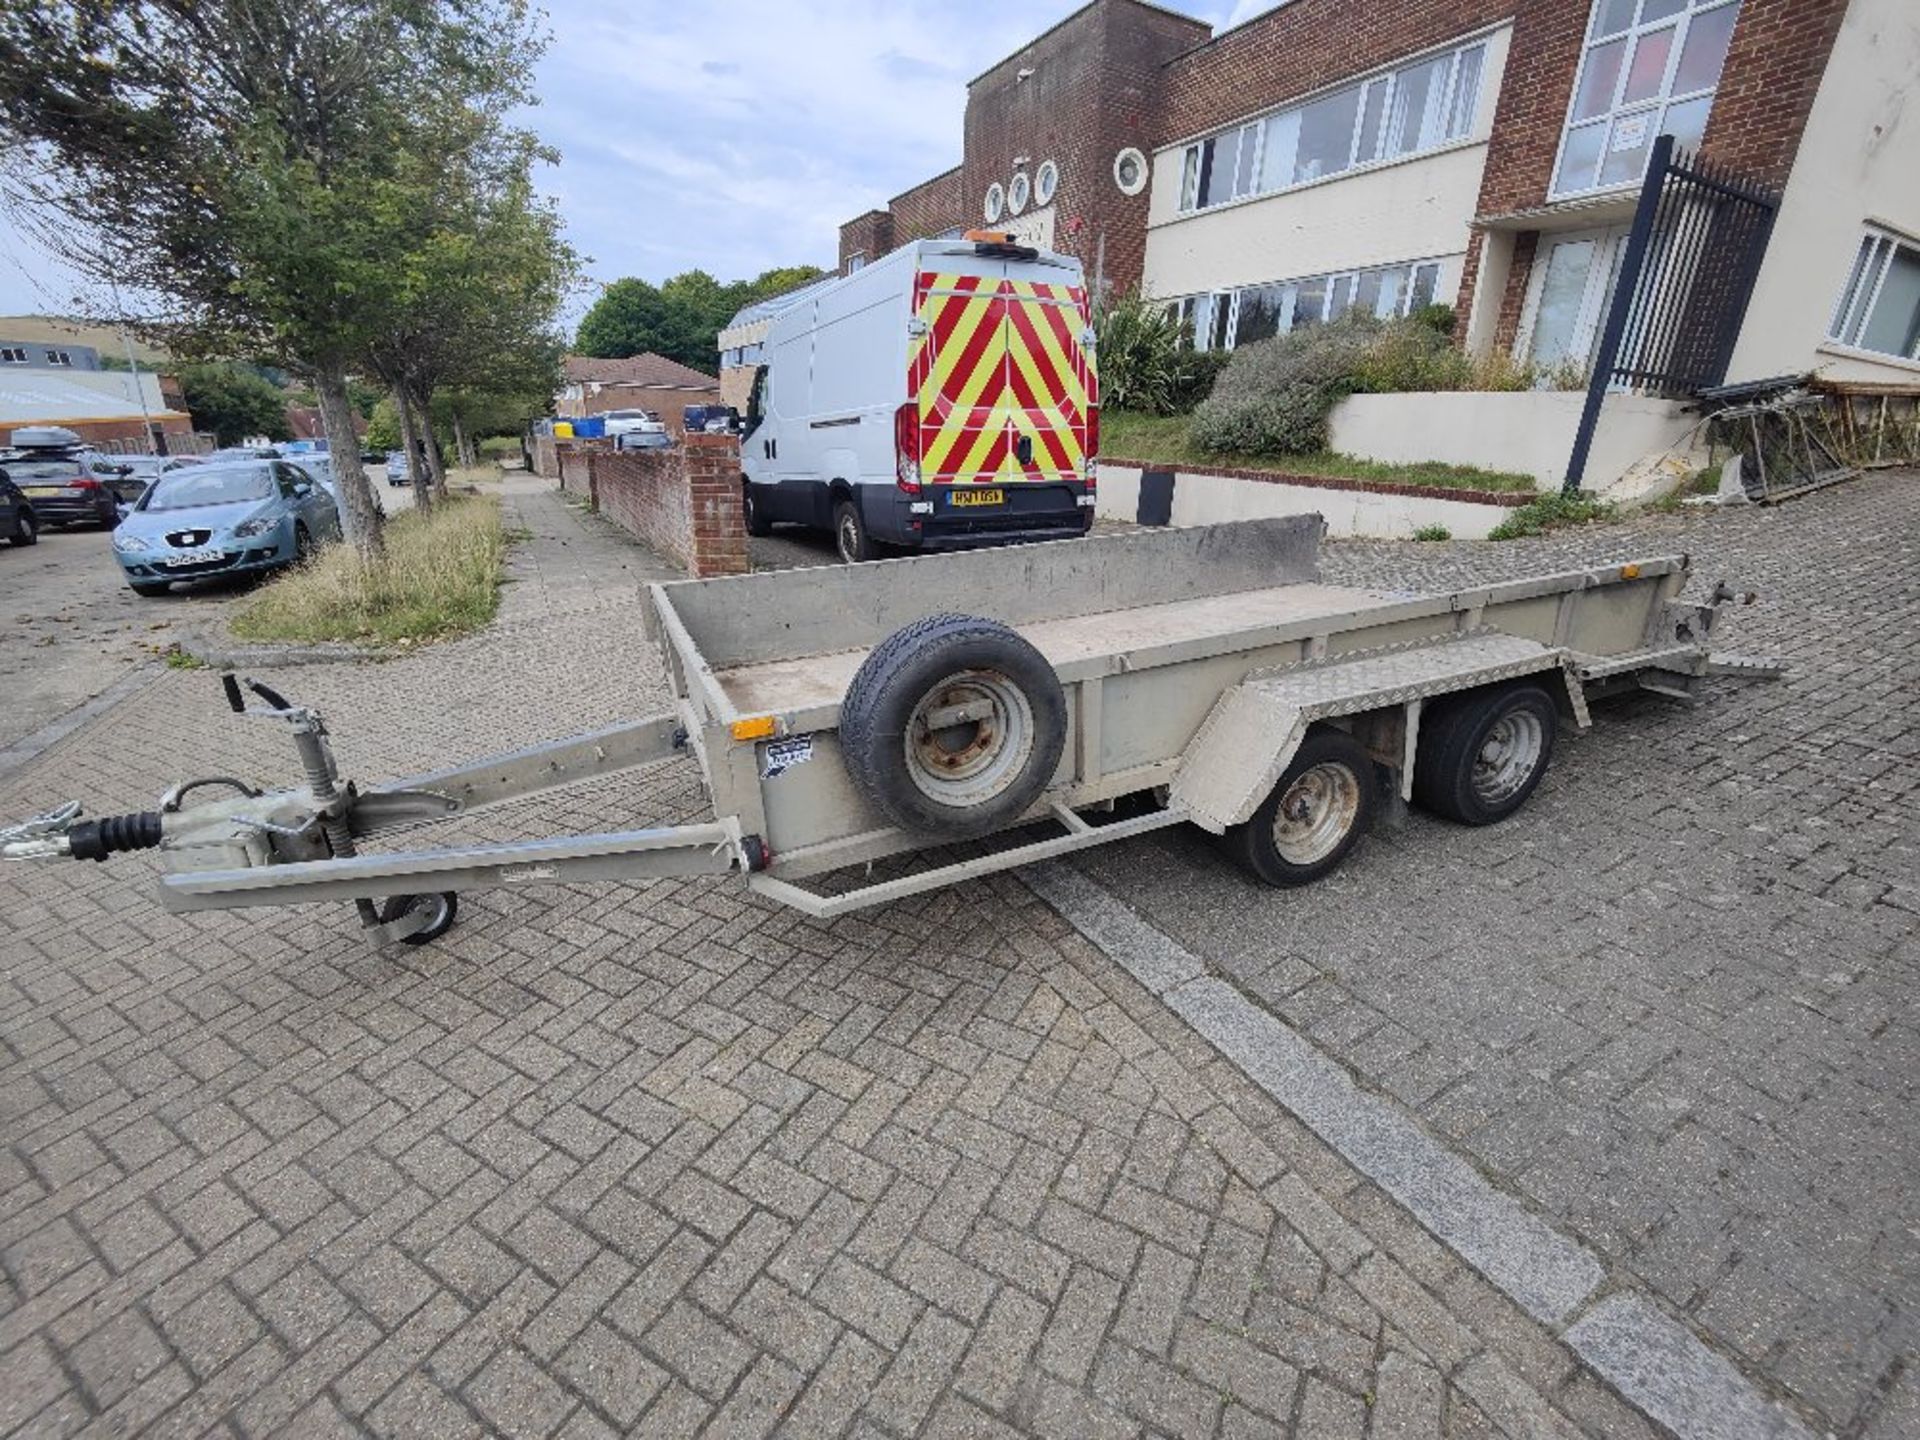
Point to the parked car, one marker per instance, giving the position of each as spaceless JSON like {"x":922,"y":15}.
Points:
{"x":237,"y":518}
{"x":709,"y":419}
{"x":16,"y":514}
{"x":397,"y":467}
{"x":140,"y":471}
{"x":68,"y":487}
{"x":644,"y":440}
{"x":247,"y":452}
{"x":632,"y":422}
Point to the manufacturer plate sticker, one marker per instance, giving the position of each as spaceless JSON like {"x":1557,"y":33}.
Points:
{"x":782,"y":755}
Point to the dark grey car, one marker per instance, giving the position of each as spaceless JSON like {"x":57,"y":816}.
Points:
{"x":17,"y":520}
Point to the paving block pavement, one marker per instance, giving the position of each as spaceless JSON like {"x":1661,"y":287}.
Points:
{"x":1671,"y":1003}
{"x":664,"y":1159}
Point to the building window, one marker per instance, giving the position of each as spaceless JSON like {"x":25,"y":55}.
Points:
{"x":1403,"y":112}
{"x":1650,"y":68}
{"x":1130,"y":171}
{"x":59,"y":357}
{"x":1228,"y":318}
{"x":1018,"y":189}
{"x":1046,"y":180}
{"x":12,"y":356}
{"x":1880,"y":308}
{"x":856,"y":261}
{"x":996,"y":202}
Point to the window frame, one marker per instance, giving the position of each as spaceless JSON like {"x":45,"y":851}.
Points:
{"x":1187,"y":309}
{"x":13,"y":355}
{"x":1854,"y":309}
{"x":1199,"y":156}
{"x":1657,"y":105}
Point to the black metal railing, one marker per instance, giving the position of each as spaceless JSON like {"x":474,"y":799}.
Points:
{"x":1699,"y":234}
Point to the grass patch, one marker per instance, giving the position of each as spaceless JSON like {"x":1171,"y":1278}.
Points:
{"x":1433,"y":532}
{"x":1168,"y":439}
{"x":1557,"y":511}
{"x":439,"y":576}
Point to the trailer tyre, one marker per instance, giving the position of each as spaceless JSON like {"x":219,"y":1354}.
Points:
{"x":953,"y":726}
{"x":1317,"y":811}
{"x":1482,"y":753}
{"x":447,"y":905}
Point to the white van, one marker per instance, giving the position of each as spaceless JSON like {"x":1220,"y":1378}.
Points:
{"x":941,"y":397}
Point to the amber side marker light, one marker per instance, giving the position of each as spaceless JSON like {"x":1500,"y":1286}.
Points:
{"x":1629,"y":572}
{"x":758,"y":727}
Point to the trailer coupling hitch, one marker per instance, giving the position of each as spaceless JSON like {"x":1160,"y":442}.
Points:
{"x":60,"y":834}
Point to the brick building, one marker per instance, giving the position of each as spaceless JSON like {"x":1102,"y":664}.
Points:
{"x":1484,"y":154}
{"x":636,"y":382}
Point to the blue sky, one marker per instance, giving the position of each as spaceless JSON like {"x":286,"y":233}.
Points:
{"x":731,"y":138}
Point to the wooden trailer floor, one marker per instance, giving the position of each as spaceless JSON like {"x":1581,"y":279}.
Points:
{"x":785,"y":686}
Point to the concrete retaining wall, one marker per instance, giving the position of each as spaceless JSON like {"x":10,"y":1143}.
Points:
{"x":1526,"y":432}
{"x":1206,"y":497}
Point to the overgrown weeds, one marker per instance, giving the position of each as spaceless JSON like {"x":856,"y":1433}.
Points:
{"x":1555,"y":511}
{"x":438,"y":576}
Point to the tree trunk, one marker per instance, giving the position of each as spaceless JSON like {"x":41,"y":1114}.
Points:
{"x":359,"y":512}
{"x":410,"y":437}
{"x":462,"y":446}
{"x":436,"y":464}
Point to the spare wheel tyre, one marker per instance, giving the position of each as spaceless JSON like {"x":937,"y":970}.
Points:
{"x":953,"y":726}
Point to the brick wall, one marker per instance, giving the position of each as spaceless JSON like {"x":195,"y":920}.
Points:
{"x":571,"y":464}
{"x":928,"y":208}
{"x":1309,"y":44}
{"x":1774,"y":64}
{"x":682,"y":503}
{"x":1094,"y":86}
{"x":870,"y":235}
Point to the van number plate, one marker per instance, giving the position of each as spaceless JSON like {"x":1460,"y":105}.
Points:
{"x":977,"y":497}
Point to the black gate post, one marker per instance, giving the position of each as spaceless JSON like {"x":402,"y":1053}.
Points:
{"x":1624,"y":289}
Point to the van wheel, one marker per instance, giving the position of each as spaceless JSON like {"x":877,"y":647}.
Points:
{"x":953,"y":726}
{"x":1482,"y":754}
{"x":850,"y":534}
{"x":1318,"y":809}
{"x":757,"y":524}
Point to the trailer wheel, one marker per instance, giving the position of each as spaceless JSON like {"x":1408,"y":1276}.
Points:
{"x":447,"y":905}
{"x":953,"y":726}
{"x":1317,"y":811}
{"x":1482,"y":753}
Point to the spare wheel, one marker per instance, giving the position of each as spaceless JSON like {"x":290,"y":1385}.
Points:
{"x":953,"y":726}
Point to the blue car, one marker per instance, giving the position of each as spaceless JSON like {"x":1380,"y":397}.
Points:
{"x":232,"y":517}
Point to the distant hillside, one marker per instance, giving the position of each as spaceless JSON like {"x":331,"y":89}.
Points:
{"x":103,"y":338}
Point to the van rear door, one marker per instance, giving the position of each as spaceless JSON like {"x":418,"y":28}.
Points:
{"x":1003,"y":384}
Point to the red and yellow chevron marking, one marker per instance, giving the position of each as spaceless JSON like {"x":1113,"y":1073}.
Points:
{"x":1000,"y":361}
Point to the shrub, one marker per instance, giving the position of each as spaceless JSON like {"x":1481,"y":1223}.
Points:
{"x":1274,"y":396}
{"x":1138,"y":348}
{"x":1435,"y":317}
{"x":1433,"y":532}
{"x":1555,"y":511}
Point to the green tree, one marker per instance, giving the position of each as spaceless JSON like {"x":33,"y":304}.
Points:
{"x":234,"y":402}
{"x":682,"y":317}
{"x":629,"y":318}
{"x":245,"y":161}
